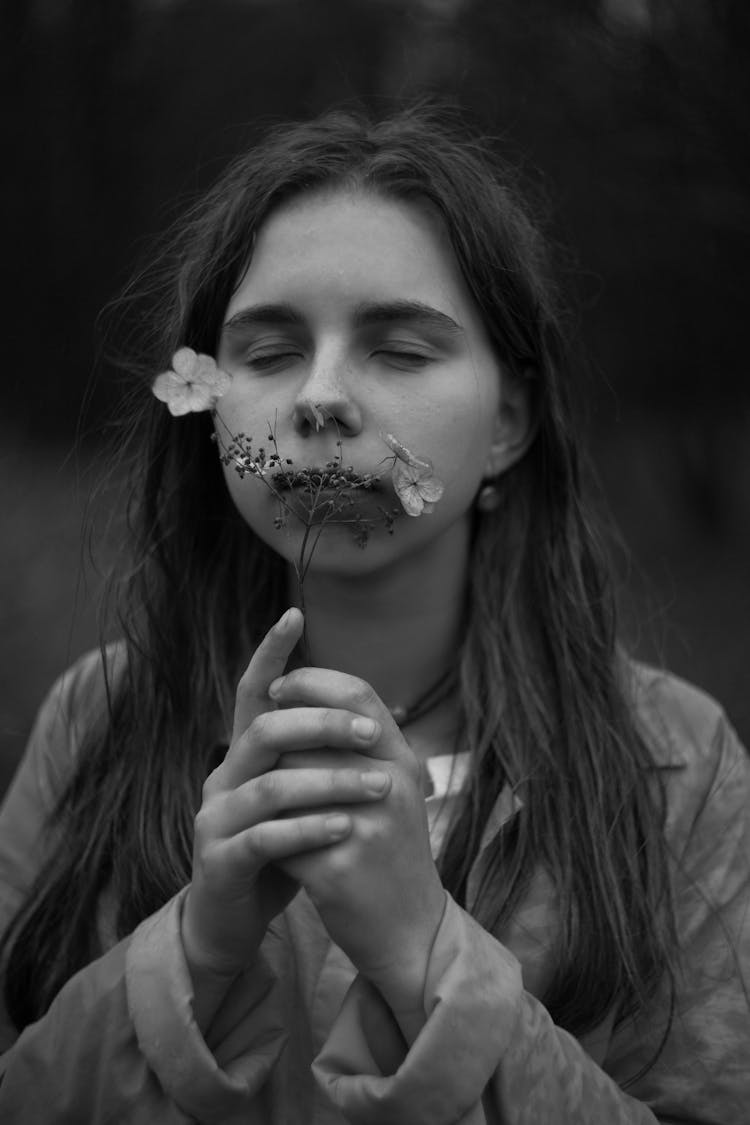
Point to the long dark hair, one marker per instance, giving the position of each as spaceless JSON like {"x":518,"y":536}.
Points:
{"x":543,"y":690}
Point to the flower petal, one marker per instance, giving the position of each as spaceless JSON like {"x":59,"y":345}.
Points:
{"x":407,"y":489}
{"x":405,"y":454}
{"x":169,"y":387}
{"x":207,"y":374}
{"x":166,"y":385}
{"x":180,"y":403}
{"x":184,"y":362}
{"x":411,"y":501}
{"x":395,"y":446}
{"x":431,"y":490}
{"x":200,"y":397}
{"x":403,"y":476}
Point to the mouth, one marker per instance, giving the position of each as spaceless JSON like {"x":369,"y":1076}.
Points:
{"x":334,"y":494}
{"x":313,"y":481}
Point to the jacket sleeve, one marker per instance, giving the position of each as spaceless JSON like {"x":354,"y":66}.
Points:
{"x":702,"y":1073}
{"x":119,"y":1042}
{"x":490,"y":1052}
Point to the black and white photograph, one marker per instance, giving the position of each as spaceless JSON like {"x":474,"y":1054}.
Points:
{"x":375,"y":562}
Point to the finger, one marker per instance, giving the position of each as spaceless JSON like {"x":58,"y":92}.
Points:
{"x":284,"y":791}
{"x":274,"y":733}
{"x":325,"y":687}
{"x":321,"y":687}
{"x":251,"y":850}
{"x":268,"y":661}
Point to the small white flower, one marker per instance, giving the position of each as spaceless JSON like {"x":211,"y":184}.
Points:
{"x":193,"y":383}
{"x":413,"y":478}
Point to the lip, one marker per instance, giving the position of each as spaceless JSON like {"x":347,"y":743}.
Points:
{"x":334,"y":496}
{"x":327,"y":482}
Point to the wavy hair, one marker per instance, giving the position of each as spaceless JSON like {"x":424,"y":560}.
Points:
{"x":544,"y":695}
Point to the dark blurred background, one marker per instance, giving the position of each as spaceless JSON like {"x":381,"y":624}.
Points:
{"x":630,"y":118}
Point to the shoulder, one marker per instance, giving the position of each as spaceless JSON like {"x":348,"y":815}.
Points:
{"x":704,"y":766}
{"x":679,"y":720}
{"x":78,"y":695}
{"x":76,"y":702}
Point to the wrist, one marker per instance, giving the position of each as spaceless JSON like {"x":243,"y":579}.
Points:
{"x":402,"y":981}
{"x":211,"y":977}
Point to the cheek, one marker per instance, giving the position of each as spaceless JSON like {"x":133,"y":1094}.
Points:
{"x":226,"y":425}
{"x":235,"y":414}
{"x":250,"y":408}
{"x":462,"y":452}
{"x":249,"y":496}
{"x":246,"y":495}
{"x":257,"y":509}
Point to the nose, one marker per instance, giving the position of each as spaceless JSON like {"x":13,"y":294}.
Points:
{"x":325,"y":399}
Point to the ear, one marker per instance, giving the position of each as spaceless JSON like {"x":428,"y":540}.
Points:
{"x":514,"y":425}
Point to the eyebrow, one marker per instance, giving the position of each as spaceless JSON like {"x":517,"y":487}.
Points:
{"x":409,"y":312}
{"x":257,"y":315}
{"x":366,"y":314}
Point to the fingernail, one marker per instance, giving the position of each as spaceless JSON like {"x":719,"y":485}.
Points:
{"x":364,"y":728}
{"x":274,"y":689}
{"x":284,"y":620}
{"x":375,"y":781}
{"x":338,"y":824}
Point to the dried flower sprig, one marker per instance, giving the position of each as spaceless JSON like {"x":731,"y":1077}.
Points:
{"x":316,"y":496}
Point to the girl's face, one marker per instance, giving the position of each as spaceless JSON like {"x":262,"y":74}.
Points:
{"x":354,"y":308}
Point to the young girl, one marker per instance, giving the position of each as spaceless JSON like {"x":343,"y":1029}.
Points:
{"x":439,"y":852}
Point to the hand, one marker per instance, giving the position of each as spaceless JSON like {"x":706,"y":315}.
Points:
{"x":378,"y":891}
{"x":244,"y":821}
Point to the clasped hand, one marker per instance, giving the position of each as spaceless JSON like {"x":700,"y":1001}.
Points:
{"x":319,"y":788}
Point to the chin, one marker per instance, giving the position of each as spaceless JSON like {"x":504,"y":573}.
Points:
{"x":338,"y":551}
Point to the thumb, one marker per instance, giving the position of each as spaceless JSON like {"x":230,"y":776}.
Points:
{"x":269,"y":661}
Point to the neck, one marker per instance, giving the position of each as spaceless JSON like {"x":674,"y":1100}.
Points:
{"x":398,"y":628}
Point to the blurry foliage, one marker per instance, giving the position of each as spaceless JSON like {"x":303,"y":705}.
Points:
{"x":635,"y":110}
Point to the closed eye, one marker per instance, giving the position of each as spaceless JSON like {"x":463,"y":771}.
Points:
{"x":270,"y":360}
{"x":404,"y":358}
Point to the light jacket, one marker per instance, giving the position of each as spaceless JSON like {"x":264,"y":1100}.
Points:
{"x":302,"y":1040}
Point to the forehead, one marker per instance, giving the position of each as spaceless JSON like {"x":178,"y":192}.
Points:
{"x":347,"y":246}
